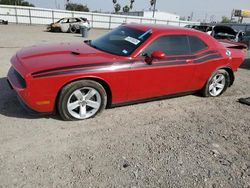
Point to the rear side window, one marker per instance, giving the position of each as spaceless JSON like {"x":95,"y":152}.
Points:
{"x":72,"y":20}
{"x":170,"y":45}
{"x":196,"y":44}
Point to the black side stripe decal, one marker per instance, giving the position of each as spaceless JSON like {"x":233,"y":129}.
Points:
{"x":80,"y":71}
{"x":117,"y":67}
{"x":80,"y":66}
{"x":192,"y":56}
{"x":124,"y":62}
{"x":207,"y":58}
{"x":108,"y":66}
{"x":160,"y":64}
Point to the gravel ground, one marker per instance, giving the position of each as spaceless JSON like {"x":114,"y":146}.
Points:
{"x":188,"y":141}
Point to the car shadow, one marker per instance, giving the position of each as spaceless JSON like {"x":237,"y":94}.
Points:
{"x":11,"y":107}
{"x":245,"y":64}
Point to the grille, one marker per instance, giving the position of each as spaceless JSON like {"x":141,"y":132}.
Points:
{"x":20,"y":79}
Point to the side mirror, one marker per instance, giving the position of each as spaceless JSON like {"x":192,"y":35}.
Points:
{"x":158,"y":55}
{"x":155,"y":55}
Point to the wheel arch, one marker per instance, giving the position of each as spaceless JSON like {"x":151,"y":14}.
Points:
{"x":96,"y":79}
{"x":231,"y":74}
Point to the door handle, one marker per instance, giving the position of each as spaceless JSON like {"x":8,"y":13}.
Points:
{"x":189,"y":61}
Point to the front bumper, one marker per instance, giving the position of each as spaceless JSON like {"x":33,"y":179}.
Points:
{"x":31,"y":95}
{"x":16,"y":83}
{"x":25,"y":106}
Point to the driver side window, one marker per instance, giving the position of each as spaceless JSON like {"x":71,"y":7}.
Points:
{"x":170,"y":45}
{"x":65,"y":21}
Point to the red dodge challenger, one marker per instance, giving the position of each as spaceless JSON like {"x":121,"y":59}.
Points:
{"x":133,"y":62}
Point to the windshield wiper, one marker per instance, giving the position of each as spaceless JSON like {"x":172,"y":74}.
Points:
{"x":87,"y":41}
{"x":90,"y":44}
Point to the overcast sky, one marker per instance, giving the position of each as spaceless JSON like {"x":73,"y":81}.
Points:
{"x":209,"y":9}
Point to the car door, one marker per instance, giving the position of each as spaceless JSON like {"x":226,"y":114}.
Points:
{"x":166,"y":76}
{"x":65,"y":25}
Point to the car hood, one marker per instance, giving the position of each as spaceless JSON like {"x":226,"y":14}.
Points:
{"x":39,"y":58}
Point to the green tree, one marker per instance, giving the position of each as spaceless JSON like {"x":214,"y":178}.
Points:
{"x":16,"y":2}
{"x":77,"y":7}
{"x":126,"y":8}
{"x":225,"y":19}
{"x":117,"y":7}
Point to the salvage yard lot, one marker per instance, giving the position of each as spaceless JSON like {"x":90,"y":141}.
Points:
{"x":187,"y":141}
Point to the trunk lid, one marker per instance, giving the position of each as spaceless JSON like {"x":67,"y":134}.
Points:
{"x":233,"y":44}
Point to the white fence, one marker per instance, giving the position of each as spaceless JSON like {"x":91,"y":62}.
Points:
{"x":31,"y":15}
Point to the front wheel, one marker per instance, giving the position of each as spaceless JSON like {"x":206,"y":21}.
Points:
{"x":73,"y":29}
{"x":216,"y":84}
{"x":81,"y":100}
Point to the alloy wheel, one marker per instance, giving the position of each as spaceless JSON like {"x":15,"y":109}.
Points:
{"x":84,"y":103}
{"x":217,"y":84}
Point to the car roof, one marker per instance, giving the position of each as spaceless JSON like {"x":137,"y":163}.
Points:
{"x":162,"y":28}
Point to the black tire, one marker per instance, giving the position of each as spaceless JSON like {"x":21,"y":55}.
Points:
{"x":73,"y":29}
{"x":205,"y":91}
{"x":68,"y":91}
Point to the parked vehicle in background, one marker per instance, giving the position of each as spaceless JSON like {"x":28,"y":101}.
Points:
{"x":203,"y":28}
{"x":231,"y":33}
{"x":68,"y":25}
{"x":4,"y":22}
{"x":226,"y":32}
{"x":133,"y":62}
{"x":246,"y":29}
{"x":236,"y":33}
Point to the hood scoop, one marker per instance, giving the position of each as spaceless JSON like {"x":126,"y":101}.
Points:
{"x":75,"y":53}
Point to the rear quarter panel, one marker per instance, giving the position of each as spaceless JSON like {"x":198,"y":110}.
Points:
{"x":204,"y":70}
{"x":237,"y":58}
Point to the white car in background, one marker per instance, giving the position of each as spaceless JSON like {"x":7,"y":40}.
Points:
{"x":69,"y":25}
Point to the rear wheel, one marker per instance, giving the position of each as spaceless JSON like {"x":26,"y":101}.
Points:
{"x":216,"y":84}
{"x":81,"y":100}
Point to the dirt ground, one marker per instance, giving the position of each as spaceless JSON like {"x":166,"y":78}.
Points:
{"x":187,"y":141}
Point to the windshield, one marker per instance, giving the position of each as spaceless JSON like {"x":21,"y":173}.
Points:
{"x":122,"y":41}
